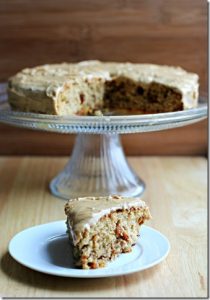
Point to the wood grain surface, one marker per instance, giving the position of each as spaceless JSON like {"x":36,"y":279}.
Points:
{"x":155,"y":31}
{"x":177,"y":195}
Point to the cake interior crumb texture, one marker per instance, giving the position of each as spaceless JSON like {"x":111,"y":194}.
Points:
{"x":100,"y":228}
{"x":85,"y":87}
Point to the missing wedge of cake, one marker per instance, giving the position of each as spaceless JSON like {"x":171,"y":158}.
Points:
{"x":85,"y":87}
{"x":100,"y":228}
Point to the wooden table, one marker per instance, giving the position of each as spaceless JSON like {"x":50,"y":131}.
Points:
{"x":177,"y":195}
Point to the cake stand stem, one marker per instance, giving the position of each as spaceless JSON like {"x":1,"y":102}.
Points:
{"x":98,"y":166}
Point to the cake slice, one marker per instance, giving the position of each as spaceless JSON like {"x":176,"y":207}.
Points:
{"x":100,"y":228}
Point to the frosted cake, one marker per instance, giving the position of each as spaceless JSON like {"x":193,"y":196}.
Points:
{"x":86,"y":87}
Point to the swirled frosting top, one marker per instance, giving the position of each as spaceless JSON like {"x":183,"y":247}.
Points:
{"x":52,"y":77}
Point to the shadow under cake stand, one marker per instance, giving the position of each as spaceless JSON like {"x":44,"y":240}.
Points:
{"x":98,"y":165}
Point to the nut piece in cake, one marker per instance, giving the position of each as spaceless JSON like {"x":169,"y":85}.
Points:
{"x":100,"y":228}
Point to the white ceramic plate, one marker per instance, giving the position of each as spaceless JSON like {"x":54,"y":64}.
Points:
{"x":45,"y":248}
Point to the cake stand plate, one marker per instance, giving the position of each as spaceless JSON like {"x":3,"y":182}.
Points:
{"x":98,"y":165}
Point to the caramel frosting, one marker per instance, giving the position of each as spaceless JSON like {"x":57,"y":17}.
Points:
{"x":51,"y":80}
{"x":85,"y":212}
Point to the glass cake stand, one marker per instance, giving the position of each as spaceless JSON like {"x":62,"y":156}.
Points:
{"x":98,"y":165}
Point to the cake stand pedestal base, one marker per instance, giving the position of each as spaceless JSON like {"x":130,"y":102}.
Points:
{"x":98,"y":167}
